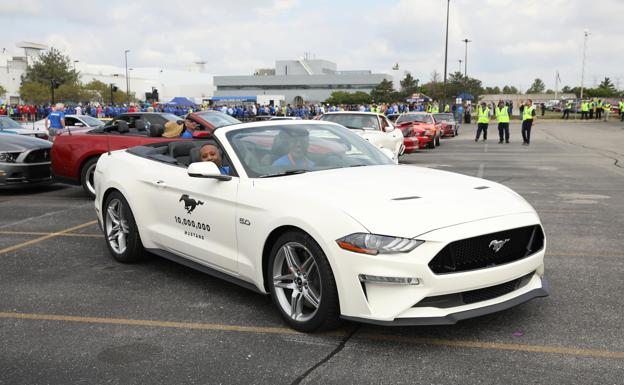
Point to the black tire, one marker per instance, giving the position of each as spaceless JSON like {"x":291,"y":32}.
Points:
{"x":87,"y":173}
{"x":438,"y":140}
{"x":327,"y":314}
{"x":133,"y":250}
{"x":431,"y":144}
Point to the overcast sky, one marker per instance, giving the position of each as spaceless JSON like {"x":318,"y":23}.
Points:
{"x":513,"y":41}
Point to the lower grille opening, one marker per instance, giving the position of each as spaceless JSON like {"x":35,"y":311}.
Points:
{"x":474,"y":296}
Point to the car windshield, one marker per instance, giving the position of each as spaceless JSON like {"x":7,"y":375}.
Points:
{"x":444,"y":117}
{"x":358,"y":121}
{"x":218,"y":119}
{"x":8,"y":123}
{"x":91,"y":122}
{"x":422,"y":118}
{"x":173,"y":117}
{"x":287,"y":149}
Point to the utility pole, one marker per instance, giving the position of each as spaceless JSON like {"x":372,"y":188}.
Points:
{"x":127,"y":79}
{"x":583,"y":68}
{"x":446,"y":45}
{"x":459,"y":70}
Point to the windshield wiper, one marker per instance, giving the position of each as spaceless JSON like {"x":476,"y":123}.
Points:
{"x":354,"y":128}
{"x":282,"y":173}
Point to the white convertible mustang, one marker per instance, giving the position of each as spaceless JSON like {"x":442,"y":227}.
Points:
{"x":326,"y":223}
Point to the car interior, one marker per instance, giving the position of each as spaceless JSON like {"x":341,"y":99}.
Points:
{"x":179,"y":153}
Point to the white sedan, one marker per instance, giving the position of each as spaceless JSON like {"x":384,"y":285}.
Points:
{"x":325,"y":223}
{"x":72,"y":122}
{"x":376,"y":128}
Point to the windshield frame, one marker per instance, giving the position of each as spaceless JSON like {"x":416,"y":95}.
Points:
{"x":324,"y":136}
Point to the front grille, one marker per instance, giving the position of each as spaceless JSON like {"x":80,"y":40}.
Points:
{"x":38,"y":156}
{"x":478,"y":252}
{"x":474,"y":296}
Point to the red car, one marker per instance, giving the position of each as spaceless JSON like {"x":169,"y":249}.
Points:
{"x":74,"y":156}
{"x":424,"y":127}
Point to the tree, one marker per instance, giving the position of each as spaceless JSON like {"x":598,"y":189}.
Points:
{"x":409,"y":85}
{"x":35,"y":92}
{"x":510,"y":90}
{"x":492,"y":90}
{"x":383,"y":92}
{"x":51,"y":65}
{"x":607,"y":88}
{"x":3,"y":91}
{"x":341,"y":97}
{"x":537,"y":87}
{"x":101,"y":92}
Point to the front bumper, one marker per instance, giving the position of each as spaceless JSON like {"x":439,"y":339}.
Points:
{"x":402,"y":304}
{"x":18,"y":175}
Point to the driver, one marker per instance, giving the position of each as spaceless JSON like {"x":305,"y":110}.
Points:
{"x":211,"y":153}
{"x":298,"y":142}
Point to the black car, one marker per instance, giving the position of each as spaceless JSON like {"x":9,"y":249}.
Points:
{"x":24,"y":161}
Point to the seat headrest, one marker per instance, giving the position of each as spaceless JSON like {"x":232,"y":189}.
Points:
{"x":195,"y":155}
{"x":181,"y":148}
{"x":122,"y":126}
{"x":140,"y":124}
{"x":156,"y":130}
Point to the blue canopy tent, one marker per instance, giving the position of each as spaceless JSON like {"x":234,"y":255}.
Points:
{"x":181,"y":101}
{"x":465,"y":96}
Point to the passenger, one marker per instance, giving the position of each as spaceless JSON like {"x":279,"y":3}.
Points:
{"x":297,"y":152}
{"x":211,"y":153}
{"x":188,"y":127}
{"x":172,"y":130}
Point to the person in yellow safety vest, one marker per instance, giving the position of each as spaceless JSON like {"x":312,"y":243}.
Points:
{"x":435,"y":109}
{"x":606,"y":109}
{"x":428,"y":108}
{"x":592,"y":108}
{"x":482,"y":121}
{"x":447,"y":108}
{"x":566,"y":110}
{"x":621,"y":105}
{"x":584,"y":109}
{"x":599,"y":109}
{"x":528,"y":114}
{"x":502,"y":117}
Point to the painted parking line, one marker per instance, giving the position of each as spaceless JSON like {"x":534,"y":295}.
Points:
{"x":48,"y":233}
{"x":570,"y":351}
{"x":497,"y":346}
{"x":43,"y":238}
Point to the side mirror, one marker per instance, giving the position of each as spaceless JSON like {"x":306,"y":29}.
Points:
{"x":206,"y":170}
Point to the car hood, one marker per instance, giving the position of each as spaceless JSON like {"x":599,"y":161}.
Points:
{"x":19,"y":143}
{"x":403,"y":200}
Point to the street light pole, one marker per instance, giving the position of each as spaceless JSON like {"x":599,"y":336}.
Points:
{"x":459,"y":70}
{"x":127,"y":79}
{"x":583,"y":68}
{"x":446,"y":45}
{"x":466,"y":57}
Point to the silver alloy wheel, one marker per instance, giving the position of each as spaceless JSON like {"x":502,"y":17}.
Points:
{"x":297,"y":281}
{"x":90,"y":175}
{"x":117,"y":229}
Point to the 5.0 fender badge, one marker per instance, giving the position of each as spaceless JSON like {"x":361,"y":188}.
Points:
{"x":497,"y":245}
{"x":189,"y":203}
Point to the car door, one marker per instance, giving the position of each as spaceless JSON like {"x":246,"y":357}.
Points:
{"x":393,"y":136}
{"x":195,"y":216}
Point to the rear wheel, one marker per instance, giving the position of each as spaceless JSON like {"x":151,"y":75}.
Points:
{"x":431,"y":144}
{"x":87,"y":177}
{"x":302,"y":284}
{"x":438,"y":140}
{"x":120,"y":230}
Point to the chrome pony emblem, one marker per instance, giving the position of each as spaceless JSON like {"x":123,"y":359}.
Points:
{"x":497,"y":245}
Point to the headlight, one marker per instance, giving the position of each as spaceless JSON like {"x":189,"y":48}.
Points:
{"x":8,"y":157}
{"x":377,"y":244}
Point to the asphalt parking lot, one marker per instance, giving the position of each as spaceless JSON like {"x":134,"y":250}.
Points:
{"x":70,"y":314}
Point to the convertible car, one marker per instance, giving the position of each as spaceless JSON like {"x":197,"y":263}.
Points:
{"x":75,"y":153}
{"x":325,"y":223}
{"x":375,"y":128}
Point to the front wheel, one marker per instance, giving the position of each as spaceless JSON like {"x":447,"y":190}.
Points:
{"x":302,"y":284}
{"x":120,"y":230}
{"x":87,"y":177}
{"x":438,"y":140}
